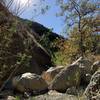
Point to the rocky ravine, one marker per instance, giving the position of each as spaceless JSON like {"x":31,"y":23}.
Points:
{"x":79,"y":80}
{"x":62,"y":87}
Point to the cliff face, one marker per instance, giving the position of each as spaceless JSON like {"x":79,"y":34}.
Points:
{"x":41,"y":30}
{"x":44,"y":36}
{"x":18,"y":46}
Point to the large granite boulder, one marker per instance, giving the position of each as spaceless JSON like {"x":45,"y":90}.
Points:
{"x":85,"y":67}
{"x":68,"y":77}
{"x":84,"y":64}
{"x":92,"y":91}
{"x":49,"y":75}
{"x":10,"y":98}
{"x":29,"y":82}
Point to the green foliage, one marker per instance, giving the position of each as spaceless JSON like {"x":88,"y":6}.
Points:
{"x":17,"y":98}
{"x":53,"y":48}
{"x":69,"y":49}
{"x":23,"y":59}
{"x":75,"y":13}
{"x":73,"y":9}
{"x":45,"y":41}
{"x":49,"y":45}
{"x":60,"y":58}
{"x":33,"y":98}
{"x":66,"y":52}
{"x":80,"y":24}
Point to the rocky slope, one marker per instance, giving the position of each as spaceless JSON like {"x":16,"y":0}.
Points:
{"x":23,"y":58}
{"x":19,"y":47}
{"x":40,"y":29}
{"x":65,"y":84}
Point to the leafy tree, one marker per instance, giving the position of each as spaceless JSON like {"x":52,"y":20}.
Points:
{"x":75,"y":13}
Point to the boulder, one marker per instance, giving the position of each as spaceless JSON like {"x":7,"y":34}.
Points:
{"x":95,"y":67}
{"x":10,"y":98}
{"x":85,"y":67}
{"x":29,"y":82}
{"x":49,"y":75}
{"x":55,"y":96}
{"x":92,"y":91}
{"x":68,"y":77}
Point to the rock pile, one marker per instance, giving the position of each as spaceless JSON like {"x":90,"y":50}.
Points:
{"x":62,"y":79}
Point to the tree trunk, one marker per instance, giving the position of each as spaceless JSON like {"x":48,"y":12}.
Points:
{"x":81,"y":38}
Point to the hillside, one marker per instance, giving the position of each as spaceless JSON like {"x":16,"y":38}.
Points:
{"x":38,"y":64}
{"x":40,"y":29}
{"x":16,"y":43}
{"x":21,"y":45}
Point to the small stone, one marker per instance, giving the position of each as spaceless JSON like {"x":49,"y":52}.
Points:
{"x":53,"y":92}
{"x":11,"y":98}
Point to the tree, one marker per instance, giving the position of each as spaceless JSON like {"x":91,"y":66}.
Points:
{"x":14,"y":6}
{"x":17,"y":8}
{"x":76,"y":12}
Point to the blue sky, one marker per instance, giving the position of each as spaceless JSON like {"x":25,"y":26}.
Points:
{"x":49,"y":19}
